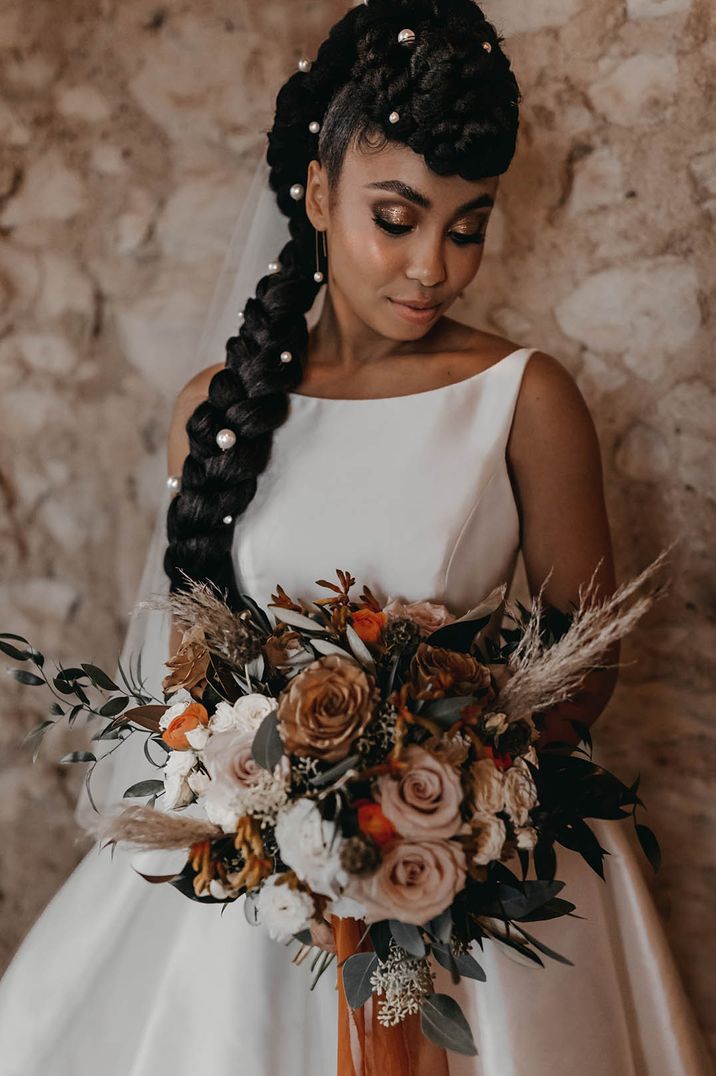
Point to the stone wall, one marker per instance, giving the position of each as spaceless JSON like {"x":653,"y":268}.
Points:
{"x":129,"y":132}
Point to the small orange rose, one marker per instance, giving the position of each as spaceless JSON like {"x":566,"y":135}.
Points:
{"x":368,"y":624}
{"x":175,"y":733}
{"x":373,"y":823}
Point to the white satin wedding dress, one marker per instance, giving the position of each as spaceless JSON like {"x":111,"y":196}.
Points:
{"x":119,"y":977}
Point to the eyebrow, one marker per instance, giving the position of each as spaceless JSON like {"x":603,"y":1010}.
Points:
{"x":398,"y":187}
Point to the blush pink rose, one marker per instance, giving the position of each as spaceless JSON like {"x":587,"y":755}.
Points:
{"x":429,"y":616}
{"x":423,"y":802}
{"x":229,"y":761}
{"x":415,"y":881}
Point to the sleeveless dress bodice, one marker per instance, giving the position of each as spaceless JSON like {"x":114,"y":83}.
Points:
{"x":411,"y":494}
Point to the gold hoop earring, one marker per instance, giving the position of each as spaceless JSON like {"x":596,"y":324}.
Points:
{"x":318,"y":275}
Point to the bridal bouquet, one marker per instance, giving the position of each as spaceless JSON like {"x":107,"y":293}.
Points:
{"x":352,"y":760}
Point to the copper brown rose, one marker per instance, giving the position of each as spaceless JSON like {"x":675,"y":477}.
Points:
{"x":440,"y":672}
{"x":325,"y":707}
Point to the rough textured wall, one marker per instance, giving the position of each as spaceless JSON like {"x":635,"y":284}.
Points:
{"x":129,"y":132}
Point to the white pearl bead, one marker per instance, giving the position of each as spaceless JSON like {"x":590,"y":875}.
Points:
{"x":286,"y":356}
{"x":225,"y":439}
{"x":273,"y":267}
{"x":314,"y":126}
{"x":406,"y":37}
{"x":228,"y":519}
{"x":241,"y":317}
{"x":318,"y":276}
{"x":304,"y":64}
{"x":394,"y":117}
{"x":174,"y":483}
{"x":297,"y":191}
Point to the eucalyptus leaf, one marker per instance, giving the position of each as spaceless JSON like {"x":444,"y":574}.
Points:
{"x":408,"y":937}
{"x":143,"y":788}
{"x":443,"y":1022}
{"x":114,"y":706}
{"x":296,"y":620}
{"x":464,"y":962}
{"x":267,"y":747}
{"x":25,"y":677}
{"x":13,"y":652}
{"x":357,"y":971}
{"x":441,"y":925}
{"x":17,"y":638}
{"x":79,"y":756}
{"x":545,"y":948}
{"x":325,"y":646}
{"x":335,"y":771}
{"x":360,"y":650}
{"x":99,"y":678}
{"x":649,"y":844}
{"x":38,"y":730}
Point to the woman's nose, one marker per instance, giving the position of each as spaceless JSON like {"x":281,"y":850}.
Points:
{"x":427,"y":263}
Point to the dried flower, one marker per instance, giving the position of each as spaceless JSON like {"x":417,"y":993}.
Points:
{"x":360,"y":854}
{"x":189,"y":665}
{"x":325,"y":707}
{"x":447,"y":672}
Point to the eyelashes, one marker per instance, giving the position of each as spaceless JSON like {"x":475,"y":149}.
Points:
{"x":403,"y":229}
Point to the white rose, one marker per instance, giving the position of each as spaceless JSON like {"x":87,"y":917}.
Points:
{"x":310,"y":845}
{"x":489,"y":833}
{"x":244,"y":715}
{"x":177,"y":790}
{"x":520,"y":792}
{"x":179,"y":763}
{"x":488,"y":786}
{"x":198,"y":737}
{"x":283,"y":910}
{"x":181,"y":698}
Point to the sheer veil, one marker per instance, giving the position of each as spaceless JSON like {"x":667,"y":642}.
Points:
{"x":260,"y":232}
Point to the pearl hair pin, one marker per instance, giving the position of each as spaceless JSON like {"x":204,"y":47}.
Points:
{"x":273,"y":267}
{"x":174,"y":483}
{"x":304,"y":64}
{"x":314,"y":126}
{"x":241,"y":317}
{"x":225,"y":439}
{"x":297,"y":190}
{"x":393,"y":117}
{"x":406,"y":37}
{"x":228,"y":519}
{"x":286,"y":356}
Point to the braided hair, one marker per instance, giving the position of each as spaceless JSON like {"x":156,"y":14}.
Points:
{"x":457,"y":103}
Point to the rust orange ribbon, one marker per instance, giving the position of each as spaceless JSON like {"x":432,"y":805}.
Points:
{"x":365,"y":1046}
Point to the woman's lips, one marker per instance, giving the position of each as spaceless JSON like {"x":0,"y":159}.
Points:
{"x":414,"y":314}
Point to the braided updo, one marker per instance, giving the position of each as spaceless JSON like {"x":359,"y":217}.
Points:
{"x":457,"y":103}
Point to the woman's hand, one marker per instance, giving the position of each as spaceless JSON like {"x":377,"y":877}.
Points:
{"x":322,"y":934}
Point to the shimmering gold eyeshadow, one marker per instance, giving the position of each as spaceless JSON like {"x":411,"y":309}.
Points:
{"x":397,"y":215}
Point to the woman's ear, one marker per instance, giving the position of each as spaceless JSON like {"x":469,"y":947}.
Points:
{"x":317,"y":195}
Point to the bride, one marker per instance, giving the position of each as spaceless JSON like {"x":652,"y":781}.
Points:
{"x":355,"y":424}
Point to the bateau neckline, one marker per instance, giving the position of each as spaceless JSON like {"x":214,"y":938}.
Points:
{"x":406,"y":395}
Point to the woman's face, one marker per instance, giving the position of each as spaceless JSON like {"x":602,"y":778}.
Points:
{"x":397,"y":231}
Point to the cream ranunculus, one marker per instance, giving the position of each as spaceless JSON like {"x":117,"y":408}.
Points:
{"x":488,"y":786}
{"x":489,"y":834}
{"x":310,"y":845}
{"x":416,"y":881}
{"x":429,"y":616}
{"x":245,"y":715}
{"x":520,"y":792}
{"x":424,"y":800}
{"x":283,"y":910}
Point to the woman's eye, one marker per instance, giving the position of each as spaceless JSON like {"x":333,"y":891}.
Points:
{"x":460,"y":238}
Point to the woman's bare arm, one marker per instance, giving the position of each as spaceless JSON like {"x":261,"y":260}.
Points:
{"x":556,"y":469}
{"x":193,"y":393}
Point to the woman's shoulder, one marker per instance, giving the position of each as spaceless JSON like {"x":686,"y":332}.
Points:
{"x":194,"y":392}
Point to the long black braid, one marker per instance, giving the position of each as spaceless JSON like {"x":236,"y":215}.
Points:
{"x":457,"y":101}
